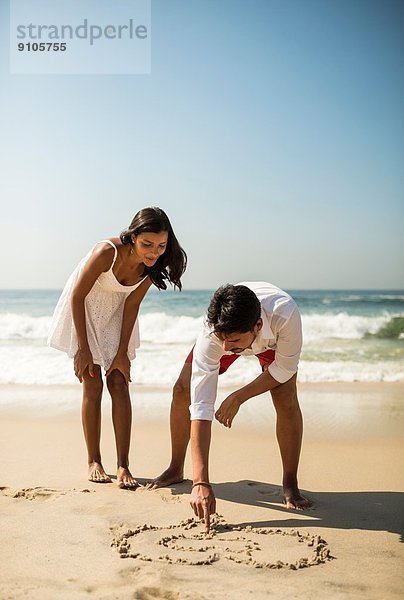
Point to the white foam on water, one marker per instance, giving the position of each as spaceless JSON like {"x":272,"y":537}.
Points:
{"x":28,"y":365}
{"x":160,"y":327}
{"x":22,"y":326}
{"x":340,"y":326}
{"x":349,"y":371}
{"x":166,"y":341}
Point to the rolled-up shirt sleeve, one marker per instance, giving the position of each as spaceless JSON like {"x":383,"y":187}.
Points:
{"x":288,"y":346}
{"x":205,"y":372}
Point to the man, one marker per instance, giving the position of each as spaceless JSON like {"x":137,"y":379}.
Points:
{"x":251,"y":318}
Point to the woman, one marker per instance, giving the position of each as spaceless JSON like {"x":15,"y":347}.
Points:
{"x":95,"y":321}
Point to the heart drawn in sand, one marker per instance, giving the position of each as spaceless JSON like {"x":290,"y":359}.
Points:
{"x":255,"y":547}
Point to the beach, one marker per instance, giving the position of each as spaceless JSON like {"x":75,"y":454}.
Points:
{"x":64,"y":537}
{"x":165,"y":156}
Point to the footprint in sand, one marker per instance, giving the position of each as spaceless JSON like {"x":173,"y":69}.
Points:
{"x":259,"y":548}
{"x":155,"y":593}
{"x":35,"y":493}
{"x":166,"y":494}
{"x":263,"y":491}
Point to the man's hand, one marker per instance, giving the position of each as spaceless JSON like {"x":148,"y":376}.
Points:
{"x":121,"y":363}
{"x":228,"y":410}
{"x":203,"y":502}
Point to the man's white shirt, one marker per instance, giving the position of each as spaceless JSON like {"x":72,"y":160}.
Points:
{"x":281,"y":331}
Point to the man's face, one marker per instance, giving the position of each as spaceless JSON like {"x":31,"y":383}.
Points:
{"x":237,"y":342}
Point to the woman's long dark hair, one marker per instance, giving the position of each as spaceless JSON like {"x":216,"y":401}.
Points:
{"x":170,"y":265}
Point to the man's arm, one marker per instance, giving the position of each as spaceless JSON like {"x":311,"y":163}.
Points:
{"x":202,"y":498}
{"x":200,"y":444}
{"x":287,"y":353}
{"x":205,"y":371}
{"x":230,"y":406}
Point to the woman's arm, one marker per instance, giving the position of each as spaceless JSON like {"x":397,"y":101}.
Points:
{"x":99,"y":262}
{"x":130,"y":313}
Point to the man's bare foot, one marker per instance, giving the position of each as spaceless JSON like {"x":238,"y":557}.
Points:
{"x":293,"y":499}
{"x":169,"y":477}
{"x":125,"y":480}
{"x":96,"y":473}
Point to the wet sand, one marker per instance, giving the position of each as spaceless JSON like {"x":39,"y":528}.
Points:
{"x":64,"y":537}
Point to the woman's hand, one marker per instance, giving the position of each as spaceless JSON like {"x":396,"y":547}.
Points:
{"x":228,"y":410}
{"x":203,"y":502}
{"x":83,"y":359}
{"x":121,"y":363}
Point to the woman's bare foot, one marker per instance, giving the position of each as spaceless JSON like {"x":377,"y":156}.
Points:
{"x":96,"y":473}
{"x":169,"y":477}
{"x":125,"y":480}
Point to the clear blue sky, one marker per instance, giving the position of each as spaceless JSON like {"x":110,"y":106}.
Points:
{"x":271,"y":132}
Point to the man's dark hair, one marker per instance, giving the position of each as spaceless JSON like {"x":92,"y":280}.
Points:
{"x":233,"y":308}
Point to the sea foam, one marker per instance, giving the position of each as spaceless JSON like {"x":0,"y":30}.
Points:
{"x":160,"y":327}
{"x":337,"y":347}
{"x":161,"y":365}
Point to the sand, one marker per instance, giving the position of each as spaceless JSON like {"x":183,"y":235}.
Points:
{"x":64,"y":537}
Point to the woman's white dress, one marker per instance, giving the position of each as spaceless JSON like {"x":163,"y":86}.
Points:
{"x":104,"y":311}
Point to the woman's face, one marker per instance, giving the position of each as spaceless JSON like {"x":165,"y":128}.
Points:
{"x":150,"y":246}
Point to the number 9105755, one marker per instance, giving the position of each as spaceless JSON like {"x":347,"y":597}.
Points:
{"x":42,"y":46}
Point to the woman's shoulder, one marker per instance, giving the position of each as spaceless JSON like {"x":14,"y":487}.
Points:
{"x":104,"y":253}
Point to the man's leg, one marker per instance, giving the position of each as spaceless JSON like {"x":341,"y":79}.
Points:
{"x":180,"y":426}
{"x":289,"y":432}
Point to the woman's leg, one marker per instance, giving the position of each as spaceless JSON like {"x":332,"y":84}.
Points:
{"x":91,"y":419}
{"x":122,"y":420}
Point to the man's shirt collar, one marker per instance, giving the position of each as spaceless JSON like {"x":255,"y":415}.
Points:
{"x":261,"y":342}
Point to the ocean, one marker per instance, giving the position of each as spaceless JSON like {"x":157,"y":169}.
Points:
{"x":349,"y":335}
